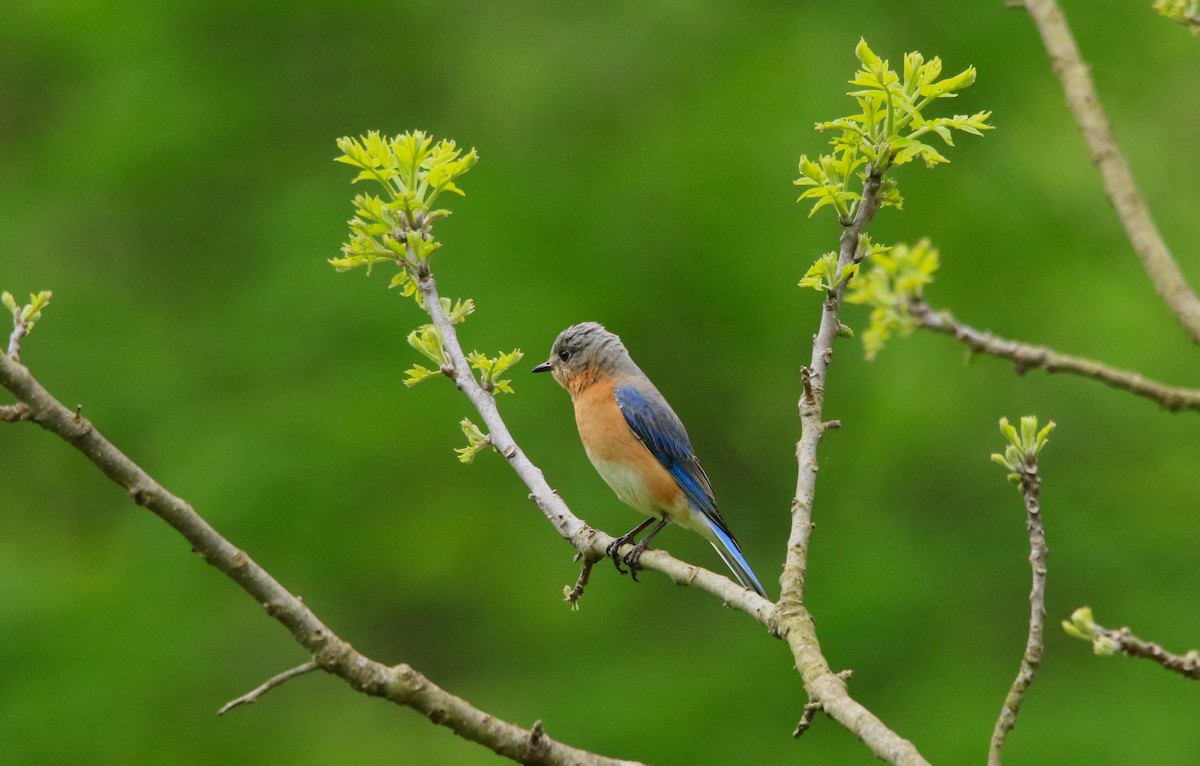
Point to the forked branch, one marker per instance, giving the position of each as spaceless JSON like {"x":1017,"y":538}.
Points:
{"x":400,"y":684}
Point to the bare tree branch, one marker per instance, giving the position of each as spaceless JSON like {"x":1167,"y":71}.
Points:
{"x":1107,"y":641}
{"x":1028,"y":357}
{"x":795,"y":624}
{"x":1032,"y":659}
{"x":589,"y":542}
{"x":277,"y":680}
{"x":400,"y":684}
{"x":1119,"y":184}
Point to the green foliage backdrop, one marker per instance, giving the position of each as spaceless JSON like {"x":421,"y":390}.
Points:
{"x":166,"y":170}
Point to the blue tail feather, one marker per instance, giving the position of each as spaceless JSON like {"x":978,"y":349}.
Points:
{"x":729,"y":552}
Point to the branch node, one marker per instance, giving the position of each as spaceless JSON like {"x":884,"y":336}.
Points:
{"x":14,"y":413}
{"x":139,"y":494}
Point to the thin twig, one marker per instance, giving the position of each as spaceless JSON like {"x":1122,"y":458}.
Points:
{"x":1029,"y":357}
{"x":1186,"y":664}
{"x":1032,"y":659}
{"x":400,"y":684}
{"x":253,"y":695}
{"x":1119,"y":184}
{"x":1107,"y":641}
{"x":572,"y":595}
{"x":795,"y":623}
{"x":806,"y":719}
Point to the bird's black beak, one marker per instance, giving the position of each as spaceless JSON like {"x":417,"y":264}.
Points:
{"x":543,"y":367}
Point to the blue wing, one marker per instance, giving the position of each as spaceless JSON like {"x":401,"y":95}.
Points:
{"x":658,"y":427}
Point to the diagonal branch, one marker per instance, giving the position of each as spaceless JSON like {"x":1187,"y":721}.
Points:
{"x":400,"y":684}
{"x":795,"y":623}
{"x":1032,"y":659}
{"x":590,"y":542}
{"x":1119,"y":184}
{"x":1028,"y":357}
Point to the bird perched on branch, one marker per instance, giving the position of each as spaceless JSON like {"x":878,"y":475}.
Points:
{"x":638,"y":445}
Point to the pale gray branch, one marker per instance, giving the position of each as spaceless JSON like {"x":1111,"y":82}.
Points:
{"x":400,"y":684}
{"x":1119,"y":184}
{"x":1029,"y":357}
{"x":1032,"y":659}
{"x":794,"y":622}
{"x":589,"y":542}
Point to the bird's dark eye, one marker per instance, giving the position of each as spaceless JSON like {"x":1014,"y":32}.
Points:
{"x":564,"y":355}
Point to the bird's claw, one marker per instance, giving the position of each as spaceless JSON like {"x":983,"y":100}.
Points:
{"x":613,"y":553}
{"x":634,"y":561}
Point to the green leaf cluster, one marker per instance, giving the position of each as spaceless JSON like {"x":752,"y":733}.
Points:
{"x":889,"y":129}
{"x":898,"y":275}
{"x":428,"y":340}
{"x":476,"y":441}
{"x":824,"y":275}
{"x":1020,"y":454}
{"x":26,"y":316}
{"x":1082,"y":625}
{"x":413,"y":171}
{"x":491,"y":368}
{"x":1186,"y":12}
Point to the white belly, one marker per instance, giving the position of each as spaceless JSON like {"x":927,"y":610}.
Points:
{"x":628,"y":485}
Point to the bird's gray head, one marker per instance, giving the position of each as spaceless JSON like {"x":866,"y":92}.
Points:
{"x":583,"y":353}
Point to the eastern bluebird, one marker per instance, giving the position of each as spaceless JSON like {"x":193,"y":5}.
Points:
{"x":638,"y":445}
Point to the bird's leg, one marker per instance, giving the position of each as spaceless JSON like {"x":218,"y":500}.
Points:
{"x":635,"y":555}
{"x":612,"y":548}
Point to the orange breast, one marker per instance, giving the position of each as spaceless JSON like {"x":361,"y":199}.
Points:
{"x":621,"y":460}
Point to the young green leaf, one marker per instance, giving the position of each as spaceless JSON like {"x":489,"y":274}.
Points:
{"x":897,"y":276}
{"x":885,"y":131}
{"x":476,"y":441}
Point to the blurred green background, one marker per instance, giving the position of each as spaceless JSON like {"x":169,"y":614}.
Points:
{"x":166,"y":169}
